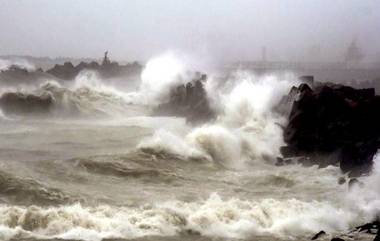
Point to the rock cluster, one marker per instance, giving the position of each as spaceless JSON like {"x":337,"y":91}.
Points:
{"x":333,"y":124}
{"x":368,"y":231}
{"x":106,"y":69}
{"x":189,"y":101}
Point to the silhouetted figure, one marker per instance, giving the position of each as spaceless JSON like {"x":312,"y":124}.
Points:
{"x":106,"y":60}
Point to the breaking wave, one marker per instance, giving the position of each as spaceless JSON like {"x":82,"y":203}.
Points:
{"x":5,"y":64}
{"x":214,"y":217}
{"x":88,"y":96}
{"x":246,"y":134}
{"x":366,"y":194}
{"x":246,"y":130}
{"x":233,"y":218}
{"x":160,"y":75}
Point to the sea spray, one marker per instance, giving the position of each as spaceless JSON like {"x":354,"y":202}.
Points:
{"x":213,"y":217}
{"x":160,"y":75}
{"x":234,"y":192}
{"x":247,"y":129}
{"x":164,"y":141}
{"x":364,"y":196}
{"x":5,"y":64}
{"x":87,"y":96}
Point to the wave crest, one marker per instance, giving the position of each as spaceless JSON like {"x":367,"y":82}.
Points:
{"x":25,"y":191}
{"x":214,"y":217}
{"x":86,"y":97}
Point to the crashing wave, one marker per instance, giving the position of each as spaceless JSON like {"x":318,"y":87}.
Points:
{"x":247,"y":128}
{"x":6,"y":64}
{"x":214,"y":217}
{"x":86,"y":97}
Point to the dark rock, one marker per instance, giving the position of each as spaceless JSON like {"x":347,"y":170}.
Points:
{"x":337,"y":239}
{"x":353,"y":181}
{"x":307,"y":79}
{"x":304,"y":88}
{"x":285,"y":105}
{"x":285,"y":161}
{"x":377,"y":238}
{"x":289,"y":151}
{"x":66,"y":71}
{"x":334,"y":124}
{"x":357,"y":158}
{"x":107,"y":69}
{"x":318,"y":235}
{"x":189,"y":101}
{"x":341,"y":180}
{"x":279,"y":161}
{"x":368,"y":227}
{"x":13,"y":103}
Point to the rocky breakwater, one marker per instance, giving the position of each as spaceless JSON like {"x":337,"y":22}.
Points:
{"x":333,"y":124}
{"x":107,"y":69}
{"x":189,"y":101}
{"x":15,"y":74}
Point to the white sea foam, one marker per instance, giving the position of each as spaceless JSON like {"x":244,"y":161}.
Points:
{"x":87,"y":96}
{"x":247,"y":129}
{"x":246,"y":132}
{"x":366,"y":197}
{"x":165,"y":141}
{"x":22,"y":63}
{"x":214,"y":217}
{"x":160,"y":75}
{"x":3,"y":117}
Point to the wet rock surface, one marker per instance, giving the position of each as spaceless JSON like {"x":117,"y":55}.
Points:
{"x":318,"y":235}
{"x":189,"y":101}
{"x":333,"y":124}
{"x":368,"y":232}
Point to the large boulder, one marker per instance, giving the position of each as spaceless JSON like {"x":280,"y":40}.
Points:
{"x":335,"y":123}
{"x":189,"y":101}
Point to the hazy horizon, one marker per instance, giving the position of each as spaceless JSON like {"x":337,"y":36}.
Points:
{"x":218,"y":30}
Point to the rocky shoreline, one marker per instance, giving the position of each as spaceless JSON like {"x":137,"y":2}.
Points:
{"x":331,"y":124}
{"x":189,"y":101}
{"x":16,"y":74}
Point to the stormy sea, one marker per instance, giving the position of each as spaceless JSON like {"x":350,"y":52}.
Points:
{"x":167,"y":153}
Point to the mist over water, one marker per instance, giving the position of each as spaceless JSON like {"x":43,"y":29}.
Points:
{"x":99,"y":166}
{"x":6,"y":64}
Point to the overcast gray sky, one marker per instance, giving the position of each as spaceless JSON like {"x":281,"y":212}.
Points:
{"x":222,"y":29}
